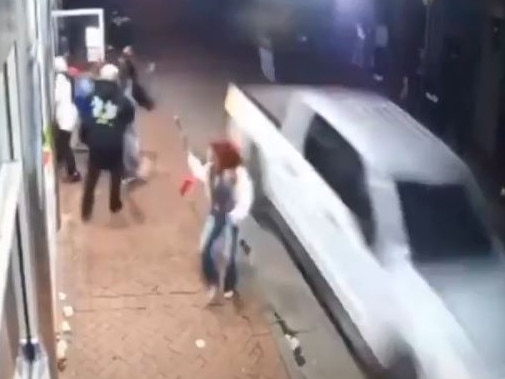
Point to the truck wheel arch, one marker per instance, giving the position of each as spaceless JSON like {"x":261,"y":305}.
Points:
{"x":402,"y":364}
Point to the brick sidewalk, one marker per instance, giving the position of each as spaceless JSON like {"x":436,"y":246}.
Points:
{"x":133,"y":280}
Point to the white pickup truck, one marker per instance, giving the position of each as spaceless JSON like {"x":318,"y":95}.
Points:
{"x":386,"y":223}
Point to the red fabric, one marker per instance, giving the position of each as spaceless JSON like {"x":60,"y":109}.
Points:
{"x":187,"y":185}
{"x":226,"y":154}
{"x":73,"y":71}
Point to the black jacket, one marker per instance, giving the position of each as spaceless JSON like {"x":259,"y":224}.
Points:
{"x":120,"y":34}
{"x":139,"y":92}
{"x":112,"y":112}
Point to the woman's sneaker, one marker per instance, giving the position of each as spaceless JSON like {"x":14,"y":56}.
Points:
{"x":129,"y":180}
{"x":229,"y":294}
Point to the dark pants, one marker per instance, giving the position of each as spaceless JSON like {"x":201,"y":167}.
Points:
{"x":208,"y":265}
{"x":92,"y":177}
{"x":83,"y":133}
{"x":64,"y":151}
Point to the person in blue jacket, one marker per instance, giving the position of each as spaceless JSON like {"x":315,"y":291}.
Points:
{"x":83,"y":89}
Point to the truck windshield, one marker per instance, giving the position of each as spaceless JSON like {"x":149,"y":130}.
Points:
{"x":441,"y":222}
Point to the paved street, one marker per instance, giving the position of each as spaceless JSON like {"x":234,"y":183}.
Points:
{"x":133,"y":279}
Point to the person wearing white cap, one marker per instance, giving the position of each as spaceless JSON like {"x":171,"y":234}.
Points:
{"x":111,"y":113}
{"x":67,"y":118}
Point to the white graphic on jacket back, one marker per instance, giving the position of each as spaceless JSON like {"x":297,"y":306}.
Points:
{"x":104,"y":112}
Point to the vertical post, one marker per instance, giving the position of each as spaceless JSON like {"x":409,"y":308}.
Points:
{"x":428,"y":4}
{"x":101,"y":26}
{"x":424,"y":65}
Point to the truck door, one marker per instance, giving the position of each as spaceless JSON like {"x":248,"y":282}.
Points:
{"x":286,"y":183}
{"x":340,"y":166}
{"x":339,"y":224}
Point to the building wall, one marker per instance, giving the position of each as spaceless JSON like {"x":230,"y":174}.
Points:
{"x":486,"y":131}
{"x":31,"y":55}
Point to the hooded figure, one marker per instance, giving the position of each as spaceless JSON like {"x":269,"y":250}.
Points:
{"x":111,"y":113}
{"x":67,"y":117}
{"x":230,"y":191}
{"x":120,"y":31}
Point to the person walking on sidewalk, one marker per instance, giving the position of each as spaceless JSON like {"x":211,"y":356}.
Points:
{"x":119,"y":31}
{"x":67,"y":118}
{"x":129,"y":81}
{"x":111,"y":114}
{"x":231,"y":196}
{"x":137,"y":89}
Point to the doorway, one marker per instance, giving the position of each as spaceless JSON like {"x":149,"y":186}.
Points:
{"x":80,"y":35}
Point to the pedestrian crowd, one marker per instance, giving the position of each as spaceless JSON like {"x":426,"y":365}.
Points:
{"x":99,"y":107}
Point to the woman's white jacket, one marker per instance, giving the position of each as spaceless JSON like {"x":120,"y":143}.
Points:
{"x":244,"y":192}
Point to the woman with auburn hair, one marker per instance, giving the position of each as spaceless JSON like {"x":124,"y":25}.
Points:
{"x":230,"y":191}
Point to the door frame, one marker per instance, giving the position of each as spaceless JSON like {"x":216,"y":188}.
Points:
{"x":98,"y":12}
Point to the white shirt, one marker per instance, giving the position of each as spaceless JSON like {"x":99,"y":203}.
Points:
{"x":62,"y":89}
{"x":244,"y":192}
{"x":67,"y":115}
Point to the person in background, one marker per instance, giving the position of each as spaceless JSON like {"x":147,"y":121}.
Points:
{"x":110,"y":116}
{"x":67,"y":118}
{"x":230,"y":190}
{"x":120,"y":31}
{"x":84,"y":88}
{"x":131,"y":154}
{"x":132,"y":141}
{"x":136,"y":88}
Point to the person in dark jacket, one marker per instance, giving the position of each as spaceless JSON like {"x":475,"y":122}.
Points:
{"x":119,"y":31}
{"x":84,"y":87}
{"x":127,"y":62}
{"x":112,"y":112}
{"x":129,"y":84}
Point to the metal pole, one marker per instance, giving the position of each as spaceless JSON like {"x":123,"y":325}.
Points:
{"x":428,"y":4}
{"x":423,"y":87}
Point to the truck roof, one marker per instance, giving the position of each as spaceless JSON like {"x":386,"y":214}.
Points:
{"x":387,"y":138}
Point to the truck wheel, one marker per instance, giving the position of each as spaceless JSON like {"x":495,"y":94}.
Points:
{"x":402,"y":366}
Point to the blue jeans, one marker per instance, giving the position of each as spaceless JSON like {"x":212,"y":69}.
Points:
{"x":219,"y":227}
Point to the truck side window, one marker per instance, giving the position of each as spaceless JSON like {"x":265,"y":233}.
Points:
{"x":340,"y":166}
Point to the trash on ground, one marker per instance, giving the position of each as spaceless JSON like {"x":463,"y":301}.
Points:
{"x":68,"y":311}
{"x":200,"y":343}
{"x":294,"y":342}
{"x":65,"y":327}
{"x":61,"y":354}
{"x":61,"y":349}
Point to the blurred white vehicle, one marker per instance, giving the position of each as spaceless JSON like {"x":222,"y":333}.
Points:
{"x":387,"y":224}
